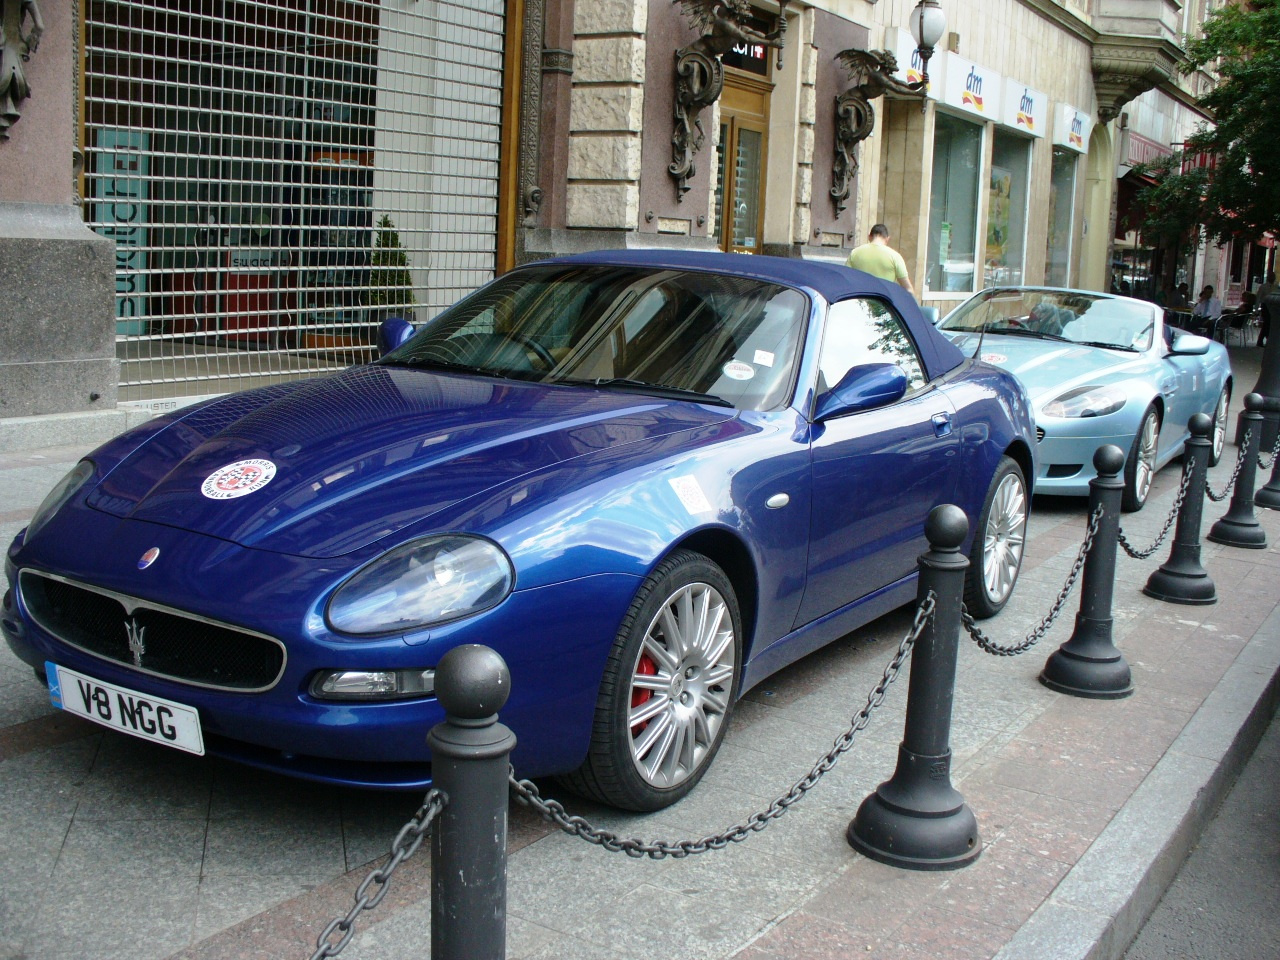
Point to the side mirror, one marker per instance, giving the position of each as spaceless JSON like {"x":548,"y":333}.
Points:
{"x":1189,"y":345}
{"x":393,"y":332}
{"x":863,"y":388}
{"x":931,"y":314}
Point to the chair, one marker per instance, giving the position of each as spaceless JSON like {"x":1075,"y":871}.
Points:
{"x":1240,"y":323}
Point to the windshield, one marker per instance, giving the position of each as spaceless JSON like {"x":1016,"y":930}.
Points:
{"x":670,"y":332}
{"x":1092,"y":319}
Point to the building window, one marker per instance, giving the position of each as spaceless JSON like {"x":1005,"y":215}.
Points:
{"x":1007,"y":210}
{"x":953,"y":205}
{"x":1062,"y":192}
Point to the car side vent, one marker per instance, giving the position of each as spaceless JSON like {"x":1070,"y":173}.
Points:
{"x":1039,"y":434}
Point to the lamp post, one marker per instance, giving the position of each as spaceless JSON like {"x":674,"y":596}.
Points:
{"x":928,"y":23}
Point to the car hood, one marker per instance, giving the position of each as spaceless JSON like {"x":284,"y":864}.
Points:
{"x":331,"y":465}
{"x":1048,"y":368}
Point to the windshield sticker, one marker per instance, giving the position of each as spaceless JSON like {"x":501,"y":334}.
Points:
{"x":994,"y":357}
{"x":691,"y":495}
{"x":238,"y":479}
{"x":763,"y":358}
{"x":737,"y":370}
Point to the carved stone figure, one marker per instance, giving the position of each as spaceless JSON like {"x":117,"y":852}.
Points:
{"x":872,"y":72}
{"x":700,"y":73}
{"x":16,"y":48}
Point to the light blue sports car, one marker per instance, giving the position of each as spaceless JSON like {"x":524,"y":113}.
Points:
{"x":1099,"y":369}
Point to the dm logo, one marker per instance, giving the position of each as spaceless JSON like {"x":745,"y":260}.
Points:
{"x":1026,"y":112}
{"x":238,"y":479}
{"x":1076,"y":137}
{"x":972,"y":95}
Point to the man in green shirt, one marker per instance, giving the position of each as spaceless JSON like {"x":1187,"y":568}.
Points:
{"x":879,"y":259}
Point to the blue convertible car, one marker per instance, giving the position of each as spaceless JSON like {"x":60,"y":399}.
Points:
{"x":1099,"y":369}
{"x":649,"y":480}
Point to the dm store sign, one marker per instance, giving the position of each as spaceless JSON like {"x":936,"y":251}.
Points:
{"x":1025,"y":110}
{"x":973,"y":89}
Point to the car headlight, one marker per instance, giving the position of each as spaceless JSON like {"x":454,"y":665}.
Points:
{"x":373,"y":684}
{"x":67,"y":487}
{"x":422,"y":583}
{"x":1087,"y":402}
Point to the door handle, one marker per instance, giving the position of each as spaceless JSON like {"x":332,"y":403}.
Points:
{"x":941,"y":424}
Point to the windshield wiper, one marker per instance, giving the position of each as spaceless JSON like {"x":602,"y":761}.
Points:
{"x":642,"y":386}
{"x":1028,"y":332}
{"x":1106,"y":346}
{"x":435,"y":364}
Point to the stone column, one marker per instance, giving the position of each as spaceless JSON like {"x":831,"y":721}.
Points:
{"x":57,"y":278}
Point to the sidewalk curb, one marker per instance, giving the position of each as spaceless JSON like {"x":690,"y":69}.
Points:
{"x":1102,"y":903}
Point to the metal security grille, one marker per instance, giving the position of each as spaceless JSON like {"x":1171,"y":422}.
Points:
{"x":281,"y":175}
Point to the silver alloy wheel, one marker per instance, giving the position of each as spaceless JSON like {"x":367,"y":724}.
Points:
{"x":1220,"y":426}
{"x":681,"y":685}
{"x":1146,"y":465}
{"x":1004,"y":538}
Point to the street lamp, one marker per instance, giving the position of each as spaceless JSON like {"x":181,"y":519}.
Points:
{"x":928,"y":23}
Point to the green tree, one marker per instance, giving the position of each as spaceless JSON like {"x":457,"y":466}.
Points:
{"x":1227,"y":174}
{"x":390,"y":283}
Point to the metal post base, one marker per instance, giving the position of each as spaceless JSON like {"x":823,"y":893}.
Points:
{"x":917,"y":820}
{"x":1248,"y":534}
{"x":1176,"y":586}
{"x":1268,"y":496}
{"x":1070,"y":673}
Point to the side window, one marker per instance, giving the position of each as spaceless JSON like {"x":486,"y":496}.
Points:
{"x":866,"y":331}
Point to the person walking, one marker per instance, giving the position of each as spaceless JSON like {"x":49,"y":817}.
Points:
{"x":879,"y":259}
{"x":1265,"y":290}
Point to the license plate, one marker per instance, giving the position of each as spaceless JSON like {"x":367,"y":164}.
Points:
{"x":137,"y":714}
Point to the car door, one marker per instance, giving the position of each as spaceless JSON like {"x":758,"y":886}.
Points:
{"x":1182,"y":384}
{"x":876,"y":473}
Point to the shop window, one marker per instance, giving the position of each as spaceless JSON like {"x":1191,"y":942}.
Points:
{"x":1007,"y":210}
{"x":953,"y":205}
{"x":1062,"y":191}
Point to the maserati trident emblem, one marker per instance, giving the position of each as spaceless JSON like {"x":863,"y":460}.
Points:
{"x":148,"y":558}
{"x":137,"y":644}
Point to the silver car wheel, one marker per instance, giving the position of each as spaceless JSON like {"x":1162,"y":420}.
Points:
{"x":1004,"y":538}
{"x":681,"y":685}
{"x":1146,"y":465}
{"x":1220,"y":426}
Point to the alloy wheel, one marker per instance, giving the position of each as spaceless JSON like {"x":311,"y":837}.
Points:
{"x":1004,"y":538}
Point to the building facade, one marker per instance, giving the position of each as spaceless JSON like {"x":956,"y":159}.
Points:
{"x":277,"y":176}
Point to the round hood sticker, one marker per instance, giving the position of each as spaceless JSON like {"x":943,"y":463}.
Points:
{"x":994,"y":357}
{"x":238,"y":479}
{"x":737,"y":370}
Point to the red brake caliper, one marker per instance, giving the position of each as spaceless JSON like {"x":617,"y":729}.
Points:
{"x":647,"y":667}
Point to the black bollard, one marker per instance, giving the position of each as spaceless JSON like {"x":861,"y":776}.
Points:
{"x":1088,"y":664}
{"x":917,"y":820}
{"x":1269,"y":496}
{"x":1182,"y":579}
{"x":1239,"y":527}
{"x":1268,"y":379}
{"x":469,"y":844}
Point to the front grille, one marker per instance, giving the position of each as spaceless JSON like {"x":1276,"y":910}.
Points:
{"x":151,"y":638}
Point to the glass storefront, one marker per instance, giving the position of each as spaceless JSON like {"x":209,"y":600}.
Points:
{"x":953,"y":205}
{"x":1007,"y":210}
{"x":1062,"y":191}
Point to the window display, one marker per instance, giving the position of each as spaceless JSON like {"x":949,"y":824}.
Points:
{"x":953,"y":205}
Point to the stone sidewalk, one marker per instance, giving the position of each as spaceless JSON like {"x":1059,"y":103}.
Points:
{"x":114,"y":848}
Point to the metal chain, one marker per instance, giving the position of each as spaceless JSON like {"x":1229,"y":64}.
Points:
{"x":1235,"y":474}
{"x":1034,"y":637}
{"x":1266,"y":462}
{"x":404,"y":846}
{"x":554,"y":812}
{"x":1168,"y":523}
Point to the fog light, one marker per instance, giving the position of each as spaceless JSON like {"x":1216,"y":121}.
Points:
{"x":373,"y":684}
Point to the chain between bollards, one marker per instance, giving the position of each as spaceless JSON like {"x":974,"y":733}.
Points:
{"x":554,"y":812}
{"x":1143,"y":554}
{"x":1218,"y":497}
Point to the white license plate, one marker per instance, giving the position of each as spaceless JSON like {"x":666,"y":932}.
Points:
{"x":137,"y":714}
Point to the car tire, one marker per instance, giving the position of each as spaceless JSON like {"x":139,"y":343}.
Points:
{"x":998,"y":542}
{"x":1140,"y":467}
{"x":653,"y":739}
{"x":1218,"y":438}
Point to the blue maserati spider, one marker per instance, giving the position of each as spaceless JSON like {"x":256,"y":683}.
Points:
{"x":648,"y":479}
{"x":1099,"y":369}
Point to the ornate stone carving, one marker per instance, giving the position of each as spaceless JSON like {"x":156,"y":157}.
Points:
{"x":1125,"y":67}
{"x":531,"y":56}
{"x":21,"y":27}
{"x":700,"y":74}
{"x":872,"y":72}
{"x":555,"y":60}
